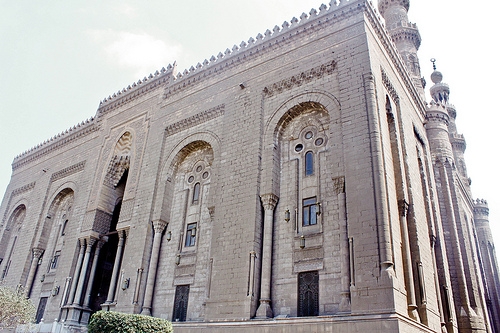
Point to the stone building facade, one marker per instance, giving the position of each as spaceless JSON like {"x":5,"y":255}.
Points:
{"x":296,"y":182}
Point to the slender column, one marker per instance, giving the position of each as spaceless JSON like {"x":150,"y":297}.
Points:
{"x":158,"y":226}
{"x":81,"y":280}
{"x":269,"y":202}
{"x":407,"y":263}
{"x":37,"y":253}
{"x":88,"y":292}
{"x":76,"y":275}
{"x":138,"y":285}
{"x":252,"y":273}
{"x":345,"y":302}
{"x":116,"y":267}
{"x":378,"y":173}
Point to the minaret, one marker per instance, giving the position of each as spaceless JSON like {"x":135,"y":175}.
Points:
{"x":447,"y":151}
{"x":489,"y":262}
{"x":405,"y":35}
{"x":440,"y":93}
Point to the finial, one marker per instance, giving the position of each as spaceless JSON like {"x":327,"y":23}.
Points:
{"x":433,"y":63}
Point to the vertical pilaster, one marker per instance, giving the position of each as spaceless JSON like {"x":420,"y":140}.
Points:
{"x":269,"y":202}
{"x":158,"y":226}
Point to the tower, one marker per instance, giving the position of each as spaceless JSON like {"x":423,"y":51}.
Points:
{"x":488,"y":262}
{"x":405,"y":35}
{"x":457,"y":209}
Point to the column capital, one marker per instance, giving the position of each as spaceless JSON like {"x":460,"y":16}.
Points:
{"x":90,"y":242}
{"x":269,"y":201}
{"x":37,"y":252}
{"x":159,"y":226}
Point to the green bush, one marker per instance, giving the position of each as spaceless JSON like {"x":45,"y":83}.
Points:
{"x":15,"y":307}
{"x":116,"y":322}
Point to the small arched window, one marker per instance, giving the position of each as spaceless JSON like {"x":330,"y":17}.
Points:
{"x":196,"y":193}
{"x":309,"y":163}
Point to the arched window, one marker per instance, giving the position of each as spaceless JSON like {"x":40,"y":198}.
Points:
{"x":309,"y":163}
{"x":196,"y":193}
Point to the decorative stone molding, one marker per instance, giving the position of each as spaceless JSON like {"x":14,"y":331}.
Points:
{"x":300,"y":79}
{"x":390,"y":88}
{"x":195,"y":120}
{"x":67,"y":171}
{"x":262,"y":43}
{"x":59,"y":141}
{"x":37,"y":253}
{"x":159,"y":226}
{"x":137,"y":89}
{"x":269,"y":201}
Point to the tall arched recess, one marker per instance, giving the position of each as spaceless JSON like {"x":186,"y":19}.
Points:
{"x":185,"y":213}
{"x":9,"y":240}
{"x":51,"y":251}
{"x":112,"y":241}
{"x":94,"y":282}
{"x":303,"y":167}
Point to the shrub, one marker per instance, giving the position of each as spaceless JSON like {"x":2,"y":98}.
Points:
{"x":15,"y":308}
{"x":116,"y":322}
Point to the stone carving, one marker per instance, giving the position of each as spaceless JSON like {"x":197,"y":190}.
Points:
{"x":67,"y":171}
{"x":197,"y":119}
{"x":298,"y":80}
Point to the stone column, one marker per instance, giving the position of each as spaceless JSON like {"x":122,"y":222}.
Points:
{"x":407,"y":261}
{"x":269,"y":202}
{"x":37,"y":253}
{"x":116,"y":267}
{"x":380,"y":192}
{"x":88,"y":292}
{"x":85,"y":264}
{"x":158,"y":227}
{"x":76,"y":275}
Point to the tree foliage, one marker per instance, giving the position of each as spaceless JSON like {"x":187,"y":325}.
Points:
{"x":115,"y":322}
{"x":15,"y":308}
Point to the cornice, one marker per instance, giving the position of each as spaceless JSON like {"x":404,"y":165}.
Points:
{"x":267,"y":43}
{"x":62,"y":139}
{"x":136,"y":90}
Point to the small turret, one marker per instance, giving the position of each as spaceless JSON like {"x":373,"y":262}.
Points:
{"x":440,"y":91}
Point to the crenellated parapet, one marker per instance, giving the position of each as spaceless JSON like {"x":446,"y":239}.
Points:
{"x":58,"y":141}
{"x":383,"y":5}
{"x":137,"y":89}
{"x":246,"y":50}
{"x":458,"y":142}
{"x":481,"y":208}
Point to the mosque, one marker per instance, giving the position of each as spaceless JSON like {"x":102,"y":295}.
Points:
{"x":296,"y":182}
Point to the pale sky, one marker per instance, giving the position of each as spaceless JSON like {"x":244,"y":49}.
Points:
{"x":58,"y":59}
